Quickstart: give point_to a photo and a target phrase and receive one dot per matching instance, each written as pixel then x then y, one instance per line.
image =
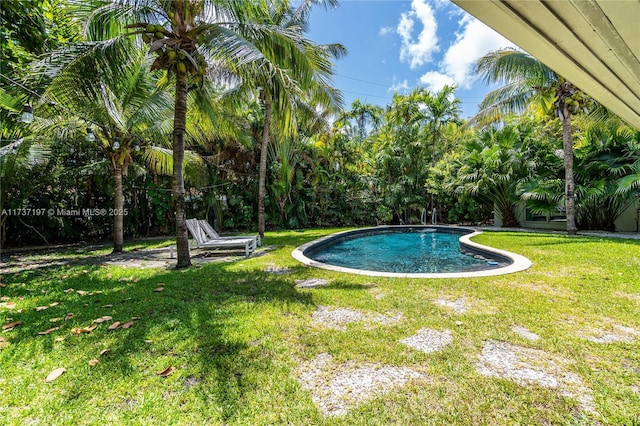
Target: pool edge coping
pixel 520 263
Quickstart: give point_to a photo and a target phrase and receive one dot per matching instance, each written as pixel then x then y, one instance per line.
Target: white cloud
pixel 420 51
pixel 435 81
pixel 386 30
pixel 473 41
pixel 401 86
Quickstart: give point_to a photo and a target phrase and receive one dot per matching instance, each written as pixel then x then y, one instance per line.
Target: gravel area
pixel 459 306
pixel 532 366
pixel 525 333
pixel 337 388
pixel 139 259
pixel 311 283
pixel 428 340
pixel 277 270
pixel 339 317
pixel 617 333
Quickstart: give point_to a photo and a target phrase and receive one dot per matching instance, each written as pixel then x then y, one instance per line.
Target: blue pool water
pixel 412 251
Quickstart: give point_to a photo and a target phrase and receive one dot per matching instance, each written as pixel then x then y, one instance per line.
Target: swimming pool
pixel 409 251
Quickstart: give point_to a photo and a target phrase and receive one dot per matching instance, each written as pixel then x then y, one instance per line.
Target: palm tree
pixel 193 39
pixel 528 82
pixel 441 109
pixel 292 71
pixel 118 110
pixel 492 167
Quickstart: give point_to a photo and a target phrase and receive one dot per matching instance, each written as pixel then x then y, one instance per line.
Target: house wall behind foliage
pixel 627 222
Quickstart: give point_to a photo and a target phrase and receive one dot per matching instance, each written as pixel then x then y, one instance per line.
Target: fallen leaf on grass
pixel 135 318
pixel 11 325
pixel 8 305
pixel 55 319
pixel 59 339
pixel 49 330
pixel 93 362
pixel 127 325
pixel 55 374
pixel 51 305
pixel 69 316
pixel 5 298
pixel 88 329
pixel 41 308
pixel 69 290
pixel 104 351
pixel 158 289
pixel 167 371
pixel 107 306
pixel 3 343
pixel 103 319
pixel 114 325
pixel 82 292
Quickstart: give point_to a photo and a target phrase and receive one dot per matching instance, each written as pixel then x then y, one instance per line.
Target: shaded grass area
pixel 236 336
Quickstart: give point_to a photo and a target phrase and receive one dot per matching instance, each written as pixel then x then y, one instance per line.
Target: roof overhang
pixel 595 44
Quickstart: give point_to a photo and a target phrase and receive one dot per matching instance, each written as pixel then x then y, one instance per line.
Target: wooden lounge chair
pixel 202 240
pixel 212 234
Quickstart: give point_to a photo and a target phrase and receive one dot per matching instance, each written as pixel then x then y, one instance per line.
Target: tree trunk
pixel 567 142
pixel 118 218
pixel 118 228
pixel 179 124
pixel 509 217
pixel 262 180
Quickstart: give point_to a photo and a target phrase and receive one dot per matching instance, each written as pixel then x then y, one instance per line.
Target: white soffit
pixel 595 44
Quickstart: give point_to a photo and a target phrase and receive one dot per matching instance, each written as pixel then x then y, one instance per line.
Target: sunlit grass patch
pixel 233 342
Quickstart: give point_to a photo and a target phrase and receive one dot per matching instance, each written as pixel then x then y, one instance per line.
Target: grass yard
pixel 238 343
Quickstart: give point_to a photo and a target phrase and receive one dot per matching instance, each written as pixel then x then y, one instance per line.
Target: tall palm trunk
pixel 567 142
pixel 179 124
pixel 262 180
pixel 118 218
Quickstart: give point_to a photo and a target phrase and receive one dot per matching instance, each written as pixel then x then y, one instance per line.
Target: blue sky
pixel 399 45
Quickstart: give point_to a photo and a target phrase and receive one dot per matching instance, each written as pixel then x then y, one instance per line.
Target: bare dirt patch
pixel 533 366
pixel 338 318
pixel 428 340
pixel 337 388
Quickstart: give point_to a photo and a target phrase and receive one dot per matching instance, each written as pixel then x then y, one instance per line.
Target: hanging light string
pixel 49 103
pixel 52 104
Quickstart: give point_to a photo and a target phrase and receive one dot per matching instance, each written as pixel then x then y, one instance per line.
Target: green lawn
pixel 240 339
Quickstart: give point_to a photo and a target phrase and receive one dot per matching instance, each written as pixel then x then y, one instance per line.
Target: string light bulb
pixel 91 137
pixel 27 113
